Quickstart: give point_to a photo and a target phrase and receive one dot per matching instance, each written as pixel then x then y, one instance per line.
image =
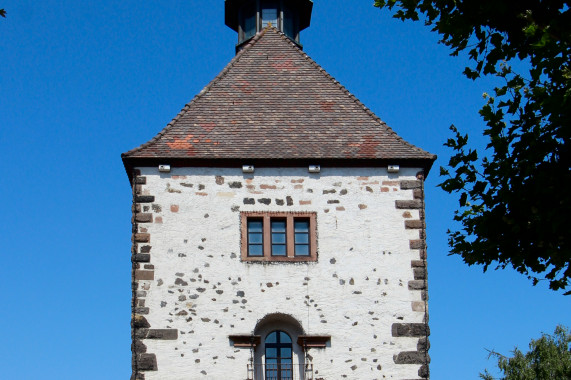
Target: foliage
pixel 549 358
pixel 513 197
pixel 2 13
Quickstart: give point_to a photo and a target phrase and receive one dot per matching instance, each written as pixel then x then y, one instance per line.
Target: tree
pixel 2 13
pixel 549 358
pixel 513 196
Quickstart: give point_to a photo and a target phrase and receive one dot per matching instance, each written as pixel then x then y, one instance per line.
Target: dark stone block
pixel 289 200
pixel 138 321
pixel 419 273
pixel 280 202
pixel 417 264
pixel 142 310
pixel 142 238
pixel 410 357
pixel 180 281
pixel 137 376
pixel 138 347
pixel 144 198
pixel 249 201
pixel 411 204
pixel 417 244
pixel 141 333
pixel 410 330
pixel 163 334
pixel 408 184
pixel 424 371
pixel 423 344
pixel 413 224
pixel 146 249
pixel 147 362
pixel 416 285
pixel 142 258
pixel 147 275
pixel 235 185
pixel 144 218
pixel 265 201
pixel 141 180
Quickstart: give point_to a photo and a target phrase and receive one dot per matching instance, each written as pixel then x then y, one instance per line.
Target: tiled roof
pixel 273 102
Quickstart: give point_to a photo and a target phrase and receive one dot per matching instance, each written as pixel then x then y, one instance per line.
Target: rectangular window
pixel 270 14
pixel 250 23
pixel 278 237
pixel 301 237
pixel 288 23
pixel 275 236
pixel 255 237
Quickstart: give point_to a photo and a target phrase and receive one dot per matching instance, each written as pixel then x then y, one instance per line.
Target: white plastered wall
pixel 354 292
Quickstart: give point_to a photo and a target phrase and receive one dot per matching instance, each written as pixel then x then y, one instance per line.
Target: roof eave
pixel 131 163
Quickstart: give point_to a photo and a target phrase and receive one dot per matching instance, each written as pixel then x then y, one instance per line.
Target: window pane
pixel 301 250
pixel 255 225
pixel 278 238
pixel 285 353
pixel 271 368
pixel 250 24
pixel 301 226
pixel 255 238
pixel 271 353
pixel 255 250
pixel 271 338
pixel 278 250
pixel 270 14
pixel 286 369
pixel 301 238
pixel 284 338
pixel 288 23
pixel 278 225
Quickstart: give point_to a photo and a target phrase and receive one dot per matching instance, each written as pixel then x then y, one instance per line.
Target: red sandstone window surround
pixel 278 236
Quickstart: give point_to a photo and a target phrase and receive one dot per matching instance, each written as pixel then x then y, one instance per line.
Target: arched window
pixel 279 363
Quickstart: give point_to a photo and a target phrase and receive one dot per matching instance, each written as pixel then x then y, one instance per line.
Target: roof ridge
pixel 196 97
pixel 347 92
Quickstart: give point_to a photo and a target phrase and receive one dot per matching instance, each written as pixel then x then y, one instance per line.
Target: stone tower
pixel 278 225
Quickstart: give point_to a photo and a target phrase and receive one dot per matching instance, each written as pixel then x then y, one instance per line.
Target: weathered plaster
pixel 188 234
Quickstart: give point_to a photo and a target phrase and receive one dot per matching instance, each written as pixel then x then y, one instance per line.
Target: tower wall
pixel 192 290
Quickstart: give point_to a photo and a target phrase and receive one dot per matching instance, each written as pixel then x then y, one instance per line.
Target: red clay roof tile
pixel 273 102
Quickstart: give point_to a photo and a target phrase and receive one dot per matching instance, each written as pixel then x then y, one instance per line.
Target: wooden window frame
pixel 290 236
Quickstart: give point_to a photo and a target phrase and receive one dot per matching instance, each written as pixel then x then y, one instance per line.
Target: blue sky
pixel 82 82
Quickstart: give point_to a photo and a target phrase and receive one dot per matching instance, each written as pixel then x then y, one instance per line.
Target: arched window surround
pixel 290 326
